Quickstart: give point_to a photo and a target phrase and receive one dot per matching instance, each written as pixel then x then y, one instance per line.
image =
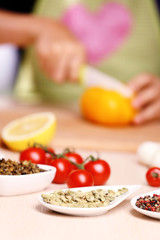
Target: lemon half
pixel 23 132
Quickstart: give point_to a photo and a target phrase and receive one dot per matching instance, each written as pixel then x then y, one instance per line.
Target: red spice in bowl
pixel 150 203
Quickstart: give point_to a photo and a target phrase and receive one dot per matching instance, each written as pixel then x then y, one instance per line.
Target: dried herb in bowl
pixel 9 167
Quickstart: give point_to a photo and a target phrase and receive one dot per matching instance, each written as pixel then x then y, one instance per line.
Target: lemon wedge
pixel 23 132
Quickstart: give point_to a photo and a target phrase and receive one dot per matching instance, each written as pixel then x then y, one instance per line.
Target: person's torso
pixel 121 37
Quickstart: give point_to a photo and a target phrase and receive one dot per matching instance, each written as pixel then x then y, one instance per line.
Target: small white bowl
pixel 146 212
pixel 11 185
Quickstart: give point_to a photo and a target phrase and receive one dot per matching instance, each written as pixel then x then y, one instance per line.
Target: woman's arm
pixel 59 53
pixel 19 29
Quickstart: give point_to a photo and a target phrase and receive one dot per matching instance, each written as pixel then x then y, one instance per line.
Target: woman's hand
pixel 147 100
pixel 59 53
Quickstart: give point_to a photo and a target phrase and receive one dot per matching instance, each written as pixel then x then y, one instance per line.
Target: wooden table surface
pixel 22 217
pixel 74 131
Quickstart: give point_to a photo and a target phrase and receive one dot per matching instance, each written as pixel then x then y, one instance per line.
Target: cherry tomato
pixel 99 169
pixel 74 157
pixel 80 178
pixel 49 156
pixel 34 154
pixel 153 176
pixel 63 167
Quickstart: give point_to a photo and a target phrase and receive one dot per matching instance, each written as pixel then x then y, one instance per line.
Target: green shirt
pixel 121 38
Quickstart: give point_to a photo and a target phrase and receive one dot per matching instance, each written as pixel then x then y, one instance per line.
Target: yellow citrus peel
pixel 106 107
pixel 20 133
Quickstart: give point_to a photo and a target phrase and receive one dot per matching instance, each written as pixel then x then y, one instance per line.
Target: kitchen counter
pixel 22 217
pixel 73 130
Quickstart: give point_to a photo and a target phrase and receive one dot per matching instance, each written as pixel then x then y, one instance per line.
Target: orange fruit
pixel 106 107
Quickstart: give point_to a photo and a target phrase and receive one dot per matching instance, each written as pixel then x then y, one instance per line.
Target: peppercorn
pixel 149 203
pixel 9 167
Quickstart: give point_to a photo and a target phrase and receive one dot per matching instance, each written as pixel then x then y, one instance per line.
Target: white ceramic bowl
pixel 146 212
pixel 11 185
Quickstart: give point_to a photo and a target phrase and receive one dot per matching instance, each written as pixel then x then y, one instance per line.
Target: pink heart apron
pixel 121 38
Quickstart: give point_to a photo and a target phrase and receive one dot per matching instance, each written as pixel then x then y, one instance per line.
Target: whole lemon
pixel 106 107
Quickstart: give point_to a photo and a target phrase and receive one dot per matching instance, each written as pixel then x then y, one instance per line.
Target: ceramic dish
pixel 146 212
pixel 92 211
pixel 11 185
